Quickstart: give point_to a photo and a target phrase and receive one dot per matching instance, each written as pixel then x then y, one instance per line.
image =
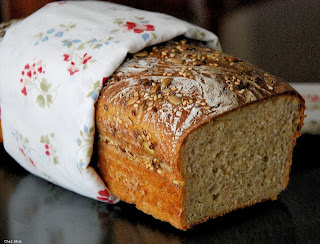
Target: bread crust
pixel 156 99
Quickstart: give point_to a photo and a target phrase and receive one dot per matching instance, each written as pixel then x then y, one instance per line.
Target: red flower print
pixel 130 25
pixel 72 69
pixel 29 74
pixel 138 28
pixel 21 150
pixel 24 91
pixel 149 27
pixel 47 153
pixel 104 79
pixel 104 196
pixel 31 161
pixel 67 57
pixel 86 58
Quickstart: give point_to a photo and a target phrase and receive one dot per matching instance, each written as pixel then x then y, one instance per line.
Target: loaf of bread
pixel 187 133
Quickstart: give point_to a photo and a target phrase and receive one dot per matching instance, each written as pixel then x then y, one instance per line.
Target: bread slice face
pixel 187 133
pixel 239 159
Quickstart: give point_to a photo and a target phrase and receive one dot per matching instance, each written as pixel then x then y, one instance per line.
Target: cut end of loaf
pixel 239 159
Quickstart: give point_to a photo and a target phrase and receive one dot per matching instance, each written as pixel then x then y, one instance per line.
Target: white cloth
pixel 52 67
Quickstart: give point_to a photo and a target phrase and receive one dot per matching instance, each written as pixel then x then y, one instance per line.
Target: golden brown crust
pixel 155 100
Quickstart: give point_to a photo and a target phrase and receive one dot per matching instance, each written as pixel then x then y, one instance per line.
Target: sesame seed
pixel 207 108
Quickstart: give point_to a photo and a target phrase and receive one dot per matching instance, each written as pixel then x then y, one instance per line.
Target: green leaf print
pixel 40 101
pixel 96 85
pixel 55 160
pixel 115 30
pixel 49 100
pixel 44 139
pixel 44 85
pixel 81 46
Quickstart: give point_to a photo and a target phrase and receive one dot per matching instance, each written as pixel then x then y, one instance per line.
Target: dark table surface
pixel 35 211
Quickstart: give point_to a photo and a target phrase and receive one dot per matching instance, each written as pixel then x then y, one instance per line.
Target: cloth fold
pixel 52 68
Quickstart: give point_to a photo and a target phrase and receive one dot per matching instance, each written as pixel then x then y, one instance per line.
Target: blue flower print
pixel 59 34
pixel 46 38
pixel 94 96
pixel 66 43
pixel 50 31
pixel 86 130
pixel 145 36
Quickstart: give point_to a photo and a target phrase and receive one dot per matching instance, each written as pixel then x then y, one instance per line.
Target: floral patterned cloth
pixel 311 94
pixel 53 65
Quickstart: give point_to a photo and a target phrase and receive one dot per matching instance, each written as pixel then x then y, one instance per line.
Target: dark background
pixel 279 36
